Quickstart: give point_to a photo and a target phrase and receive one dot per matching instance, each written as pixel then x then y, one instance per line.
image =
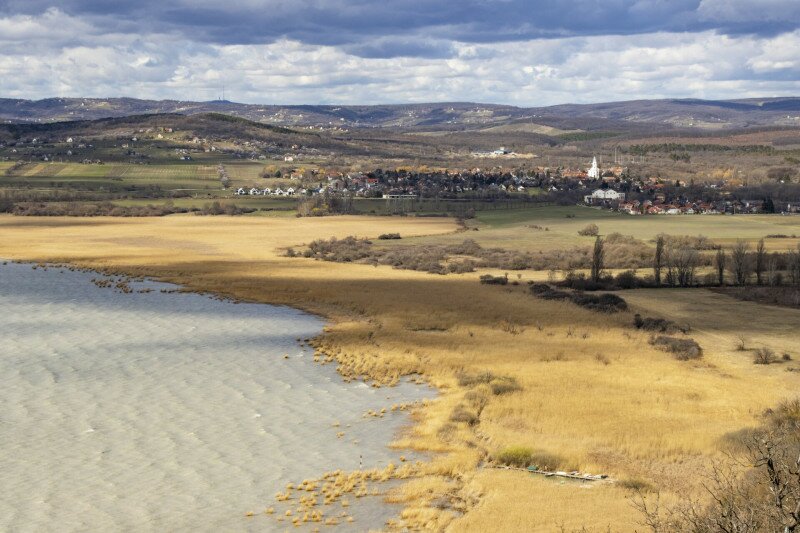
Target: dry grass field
pixel 594 394
pixel 549 228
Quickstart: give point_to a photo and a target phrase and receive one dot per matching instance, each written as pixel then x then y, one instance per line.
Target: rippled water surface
pixel 167 412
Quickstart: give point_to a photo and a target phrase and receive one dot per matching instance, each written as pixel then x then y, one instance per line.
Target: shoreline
pixel 387 477
pixel 593 394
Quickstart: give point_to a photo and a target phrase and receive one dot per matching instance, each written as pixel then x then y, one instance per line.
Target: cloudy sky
pixel 521 52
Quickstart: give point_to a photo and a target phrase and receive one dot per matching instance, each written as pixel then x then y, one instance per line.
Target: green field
pixel 549 228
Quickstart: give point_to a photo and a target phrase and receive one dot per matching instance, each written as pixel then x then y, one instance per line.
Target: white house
pixel 254 192
pixel 604 195
pixel 241 192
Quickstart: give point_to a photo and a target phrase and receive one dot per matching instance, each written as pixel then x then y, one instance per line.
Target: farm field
pixel 594 395
pixel 170 177
pixel 524 229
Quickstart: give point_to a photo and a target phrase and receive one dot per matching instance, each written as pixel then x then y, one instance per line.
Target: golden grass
pixel 593 391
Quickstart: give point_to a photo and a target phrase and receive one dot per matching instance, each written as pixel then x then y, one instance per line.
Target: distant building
pixel 594 172
pixel 601 196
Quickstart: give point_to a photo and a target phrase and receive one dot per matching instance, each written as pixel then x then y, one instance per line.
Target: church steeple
pixel 594 172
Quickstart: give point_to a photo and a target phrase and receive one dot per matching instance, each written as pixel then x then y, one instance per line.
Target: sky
pixel 518 52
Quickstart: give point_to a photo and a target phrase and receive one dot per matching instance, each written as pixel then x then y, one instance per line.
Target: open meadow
pixel 536 229
pixel 582 390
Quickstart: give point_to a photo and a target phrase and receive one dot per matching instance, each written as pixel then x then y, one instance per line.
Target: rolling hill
pixel 655 114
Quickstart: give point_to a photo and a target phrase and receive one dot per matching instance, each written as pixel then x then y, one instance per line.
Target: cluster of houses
pixel 253 191
pixel 654 196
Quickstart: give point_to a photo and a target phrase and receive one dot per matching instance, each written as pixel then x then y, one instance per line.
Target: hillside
pixel 657 114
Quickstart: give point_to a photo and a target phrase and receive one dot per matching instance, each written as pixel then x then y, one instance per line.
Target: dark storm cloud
pixel 418 28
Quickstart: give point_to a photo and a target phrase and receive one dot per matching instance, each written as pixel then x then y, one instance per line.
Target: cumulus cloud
pixel 525 52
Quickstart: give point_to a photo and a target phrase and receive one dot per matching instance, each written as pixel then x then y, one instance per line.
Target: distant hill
pixel 657 114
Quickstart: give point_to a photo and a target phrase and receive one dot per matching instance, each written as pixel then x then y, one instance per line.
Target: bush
pixel 658 325
pixel 546 292
pixel 636 485
pixel 519 456
pixel 463 415
pixel 681 349
pixel 591 230
pixel 504 385
pixel 389 236
pixel 626 280
pixel 488 279
pixel 546 461
pixel 764 356
pixel 606 303
pixel 470 380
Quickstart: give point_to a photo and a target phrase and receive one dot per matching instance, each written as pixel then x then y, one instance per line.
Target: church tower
pixel 594 172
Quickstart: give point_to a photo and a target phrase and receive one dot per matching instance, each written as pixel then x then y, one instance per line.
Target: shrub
pixel 515 456
pixel 389 236
pixel 590 230
pixel 470 380
pixel 461 267
pixel 626 280
pixel 462 414
pixel 607 303
pixel 504 385
pixel 488 279
pixel 546 292
pixel 658 325
pixel 636 485
pixel 764 356
pixel 546 461
pixel 681 349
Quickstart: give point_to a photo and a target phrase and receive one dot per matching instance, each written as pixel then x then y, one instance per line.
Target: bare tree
pixel 755 490
pixel 658 259
pixel 598 259
pixel 793 266
pixel 719 263
pixel 761 261
pixel 682 263
pixel 740 263
pixel 773 276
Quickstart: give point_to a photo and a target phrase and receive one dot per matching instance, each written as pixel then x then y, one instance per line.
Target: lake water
pixel 169 412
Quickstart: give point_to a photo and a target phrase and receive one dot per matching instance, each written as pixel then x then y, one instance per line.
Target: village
pixel 613 188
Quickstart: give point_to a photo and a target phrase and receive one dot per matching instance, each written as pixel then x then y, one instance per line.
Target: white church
pixel 601 196
pixel 594 172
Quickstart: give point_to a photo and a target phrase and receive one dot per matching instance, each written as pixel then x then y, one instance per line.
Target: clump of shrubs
pixel 216 208
pixel 590 230
pixel 518 456
pixel 606 303
pixel 499 385
pixel 657 325
pixel 345 250
pixel 681 349
pixel 463 415
pixel 82 209
pixel 636 485
pixel 522 457
pixel 546 292
pixel 389 236
pixel 488 279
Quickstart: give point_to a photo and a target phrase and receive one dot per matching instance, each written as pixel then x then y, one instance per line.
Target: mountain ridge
pixel 682 113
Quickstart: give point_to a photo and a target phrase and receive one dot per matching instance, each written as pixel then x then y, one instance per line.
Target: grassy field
pixel 113 175
pixel 549 228
pixel 595 395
